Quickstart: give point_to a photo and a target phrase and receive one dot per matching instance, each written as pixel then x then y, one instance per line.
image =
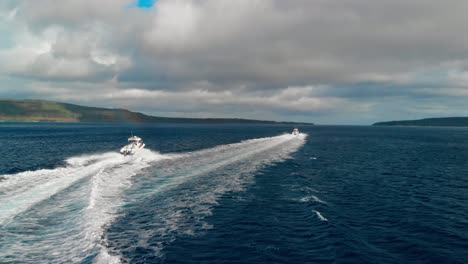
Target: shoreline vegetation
pixel 49 111
pixel 442 121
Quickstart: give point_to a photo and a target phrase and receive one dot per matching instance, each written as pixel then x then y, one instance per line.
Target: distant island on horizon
pixel 440 121
pixel 48 111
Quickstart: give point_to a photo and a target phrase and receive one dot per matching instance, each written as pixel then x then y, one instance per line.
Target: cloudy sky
pixel 323 61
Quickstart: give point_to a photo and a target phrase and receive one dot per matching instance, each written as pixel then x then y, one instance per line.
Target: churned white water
pixel 61 215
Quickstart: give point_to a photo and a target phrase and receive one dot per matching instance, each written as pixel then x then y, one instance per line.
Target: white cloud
pixel 291 58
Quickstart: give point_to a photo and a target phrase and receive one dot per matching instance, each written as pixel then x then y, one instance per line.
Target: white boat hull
pixel 131 149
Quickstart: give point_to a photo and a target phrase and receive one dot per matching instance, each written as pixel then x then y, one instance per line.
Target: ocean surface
pixel 233 194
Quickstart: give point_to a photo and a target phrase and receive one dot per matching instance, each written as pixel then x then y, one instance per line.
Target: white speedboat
pixel 134 144
pixel 295 132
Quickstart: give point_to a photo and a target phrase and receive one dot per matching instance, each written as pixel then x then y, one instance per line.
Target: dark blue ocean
pixel 233 194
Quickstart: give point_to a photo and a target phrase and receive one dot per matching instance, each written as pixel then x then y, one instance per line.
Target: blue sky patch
pixel 145 3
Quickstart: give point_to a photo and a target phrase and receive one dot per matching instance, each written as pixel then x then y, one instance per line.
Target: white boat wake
pixel 81 197
pixel 21 191
pixel 60 215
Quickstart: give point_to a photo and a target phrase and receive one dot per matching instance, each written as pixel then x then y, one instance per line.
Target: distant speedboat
pixel 134 144
pixel 295 132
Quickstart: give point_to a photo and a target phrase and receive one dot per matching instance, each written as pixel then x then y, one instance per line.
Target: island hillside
pixel 48 111
pixel 443 121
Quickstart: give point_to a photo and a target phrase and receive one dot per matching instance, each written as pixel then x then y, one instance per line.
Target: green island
pixel 442 121
pixel 48 111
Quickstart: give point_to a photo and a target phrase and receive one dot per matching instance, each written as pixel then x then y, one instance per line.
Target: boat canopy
pixel 134 139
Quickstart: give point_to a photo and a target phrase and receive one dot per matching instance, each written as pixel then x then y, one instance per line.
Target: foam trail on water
pixel 23 190
pixel 186 189
pixel 78 212
pixel 61 215
pixel 205 161
pixel 106 198
pixel 312 198
pixel 320 216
